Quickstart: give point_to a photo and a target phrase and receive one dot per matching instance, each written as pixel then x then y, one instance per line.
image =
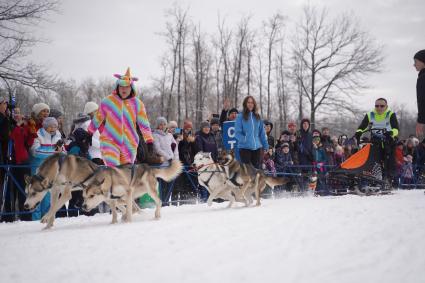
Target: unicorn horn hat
pixel 126 80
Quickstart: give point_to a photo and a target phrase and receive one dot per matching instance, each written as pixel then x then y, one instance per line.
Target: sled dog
pixel 126 183
pixel 61 174
pixel 232 180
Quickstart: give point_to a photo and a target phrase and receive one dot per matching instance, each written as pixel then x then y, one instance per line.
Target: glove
pixel 150 148
pixel 358 136
pixel 59 143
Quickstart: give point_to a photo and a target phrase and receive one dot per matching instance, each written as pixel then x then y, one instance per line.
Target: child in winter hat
pixel 38 107
pixel 49 124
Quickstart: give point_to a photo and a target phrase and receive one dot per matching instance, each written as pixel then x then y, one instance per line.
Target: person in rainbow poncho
pixel 121 113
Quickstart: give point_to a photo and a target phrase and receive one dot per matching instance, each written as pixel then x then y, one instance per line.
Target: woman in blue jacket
pixel 250 133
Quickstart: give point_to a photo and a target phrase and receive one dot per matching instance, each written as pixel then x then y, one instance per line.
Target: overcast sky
pixel 96 38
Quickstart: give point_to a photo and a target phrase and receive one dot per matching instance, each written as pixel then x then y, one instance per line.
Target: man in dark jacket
pixel 227 114
pixel 420 91
pixel 305 143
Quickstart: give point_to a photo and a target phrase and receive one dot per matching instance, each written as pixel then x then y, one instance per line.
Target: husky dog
pixel 126 183
pixel 61 174
pixel 232 178
pixel 213 177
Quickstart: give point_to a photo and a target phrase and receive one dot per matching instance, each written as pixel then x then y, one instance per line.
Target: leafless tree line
pixel 311 69
pixel 316 67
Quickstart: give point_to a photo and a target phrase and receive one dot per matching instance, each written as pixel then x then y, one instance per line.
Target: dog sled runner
pixel 360 174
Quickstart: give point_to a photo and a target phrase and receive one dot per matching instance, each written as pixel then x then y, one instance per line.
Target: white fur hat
pixel 38 107
pixel 90 107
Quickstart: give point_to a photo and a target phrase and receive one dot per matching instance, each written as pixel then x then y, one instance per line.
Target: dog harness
pixel 133 169
pixel 40 178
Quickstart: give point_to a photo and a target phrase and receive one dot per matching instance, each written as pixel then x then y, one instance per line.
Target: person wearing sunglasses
pixel 382 118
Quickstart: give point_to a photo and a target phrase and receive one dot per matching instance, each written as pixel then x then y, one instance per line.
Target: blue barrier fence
pixel 298 174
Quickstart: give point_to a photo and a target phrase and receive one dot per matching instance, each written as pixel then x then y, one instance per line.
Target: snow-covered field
pixel 297 239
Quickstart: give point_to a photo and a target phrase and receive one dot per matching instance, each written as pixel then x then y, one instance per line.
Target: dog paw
pixel 48 227
pixel 45 219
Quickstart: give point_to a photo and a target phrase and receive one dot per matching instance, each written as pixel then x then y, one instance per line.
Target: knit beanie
pixel 90 107
pixel 305 120
pixel 187 125
pixel 215 121
pixel 267 122
pixel 292 124
pixel 55 113
pixel 172 124
pixel 49 121
pixel 233 110
pixel 159 121
pixel 316 133
pixel 38 107
pixel 205 125
pixel 420 55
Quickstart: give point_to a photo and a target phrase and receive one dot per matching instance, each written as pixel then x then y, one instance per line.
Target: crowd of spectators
pixel 298 148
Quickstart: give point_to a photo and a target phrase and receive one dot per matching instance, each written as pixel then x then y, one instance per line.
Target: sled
pixel 360 174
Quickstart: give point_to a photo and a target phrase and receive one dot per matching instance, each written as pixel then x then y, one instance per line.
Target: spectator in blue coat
pixel 250 133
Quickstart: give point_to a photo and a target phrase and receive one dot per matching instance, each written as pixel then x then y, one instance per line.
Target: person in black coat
pixel 205 141
pixel 420 91
pixel 269 128
pixel 227 114
pixel 186 183
pixel 305 143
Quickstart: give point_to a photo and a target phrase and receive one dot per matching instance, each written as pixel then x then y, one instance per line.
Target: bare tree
pixel 17 17
pixel 333 57
pixel 249 46
pixel 241 38
pixel 223 44
pixel 281 85
pixel 273 28
pixel 69 100
pixel 202 64
pixel 259 76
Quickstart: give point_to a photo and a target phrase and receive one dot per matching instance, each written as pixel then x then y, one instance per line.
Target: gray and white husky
pixel 126 183
pixel 232 180
pixel 61 174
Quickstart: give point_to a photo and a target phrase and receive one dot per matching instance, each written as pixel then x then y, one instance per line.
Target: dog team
pixel 119 186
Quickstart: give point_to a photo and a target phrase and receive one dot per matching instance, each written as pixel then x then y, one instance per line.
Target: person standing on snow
pixel 250 133
pixel 420 91
pixel 122 112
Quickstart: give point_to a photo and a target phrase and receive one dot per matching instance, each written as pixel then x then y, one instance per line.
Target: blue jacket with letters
pixel 250 133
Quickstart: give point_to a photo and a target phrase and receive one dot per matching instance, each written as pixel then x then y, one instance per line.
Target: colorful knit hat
pixel 126 80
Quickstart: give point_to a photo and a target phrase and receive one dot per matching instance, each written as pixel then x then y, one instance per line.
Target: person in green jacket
pixel 382 118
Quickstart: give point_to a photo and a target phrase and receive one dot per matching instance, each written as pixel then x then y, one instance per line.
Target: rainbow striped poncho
pixel 121 117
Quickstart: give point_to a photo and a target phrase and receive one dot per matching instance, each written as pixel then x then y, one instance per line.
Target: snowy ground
pixel 298 239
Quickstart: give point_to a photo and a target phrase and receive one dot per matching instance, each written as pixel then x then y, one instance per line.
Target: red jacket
pixel 22 141
pixel 398 157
